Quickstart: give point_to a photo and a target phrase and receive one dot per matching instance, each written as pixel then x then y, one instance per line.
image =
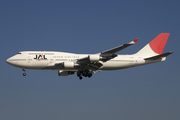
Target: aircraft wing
pixel 119 48
pixel 94 62
pixel 87 63
pixel 83 63
pixel 110 54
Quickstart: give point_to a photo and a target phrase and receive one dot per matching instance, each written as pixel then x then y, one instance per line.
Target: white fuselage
pixel 86 64
pixel 48 60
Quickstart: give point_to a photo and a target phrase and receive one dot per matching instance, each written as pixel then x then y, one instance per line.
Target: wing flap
pixel 83 60
pixel 59 64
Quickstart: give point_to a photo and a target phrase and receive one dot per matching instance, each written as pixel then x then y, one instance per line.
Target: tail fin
pixel 155 47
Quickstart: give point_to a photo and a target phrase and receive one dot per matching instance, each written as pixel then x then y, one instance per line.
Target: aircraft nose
pixel 7 61
pixel 10 62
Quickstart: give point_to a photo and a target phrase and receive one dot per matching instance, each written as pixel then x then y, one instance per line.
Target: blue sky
pixel 141 93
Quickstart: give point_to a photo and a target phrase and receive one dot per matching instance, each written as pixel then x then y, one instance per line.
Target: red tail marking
pixel 158 43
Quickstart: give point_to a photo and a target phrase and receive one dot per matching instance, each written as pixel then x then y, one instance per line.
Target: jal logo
pixel 40 57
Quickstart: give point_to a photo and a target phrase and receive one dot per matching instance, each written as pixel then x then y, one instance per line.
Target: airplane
pixel 84 65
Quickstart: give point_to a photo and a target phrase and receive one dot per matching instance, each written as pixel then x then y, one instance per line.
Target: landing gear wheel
pixel 89 75
pixel 80 78
pixel 24 74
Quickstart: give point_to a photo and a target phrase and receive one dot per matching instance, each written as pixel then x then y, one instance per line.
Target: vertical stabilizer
pixel 155 47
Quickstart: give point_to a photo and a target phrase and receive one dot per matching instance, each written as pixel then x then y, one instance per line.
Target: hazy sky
pixel 150 92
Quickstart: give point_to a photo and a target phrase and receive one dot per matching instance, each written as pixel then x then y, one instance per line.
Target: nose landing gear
pixel 24 74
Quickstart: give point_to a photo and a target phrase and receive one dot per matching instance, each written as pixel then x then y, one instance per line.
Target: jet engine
pixel 94 58
pixel 65 73
pixel 68 65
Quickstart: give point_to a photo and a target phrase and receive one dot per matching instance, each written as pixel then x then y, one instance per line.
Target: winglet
pixel 135 41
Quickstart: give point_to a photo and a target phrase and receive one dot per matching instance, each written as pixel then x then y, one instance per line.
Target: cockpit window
pixel 18 53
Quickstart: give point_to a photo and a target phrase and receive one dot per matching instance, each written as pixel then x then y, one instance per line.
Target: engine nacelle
pixel 68 65
pixel 65 73
pixel 94 58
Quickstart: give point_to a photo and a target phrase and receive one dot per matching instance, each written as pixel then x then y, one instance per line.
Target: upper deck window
pixel 18 53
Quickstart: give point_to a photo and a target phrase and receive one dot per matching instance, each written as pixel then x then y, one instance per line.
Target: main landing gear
pixel 85 73
pixel 24 74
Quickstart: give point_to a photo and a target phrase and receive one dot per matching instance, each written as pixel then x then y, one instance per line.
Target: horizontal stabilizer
pixel 158 56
